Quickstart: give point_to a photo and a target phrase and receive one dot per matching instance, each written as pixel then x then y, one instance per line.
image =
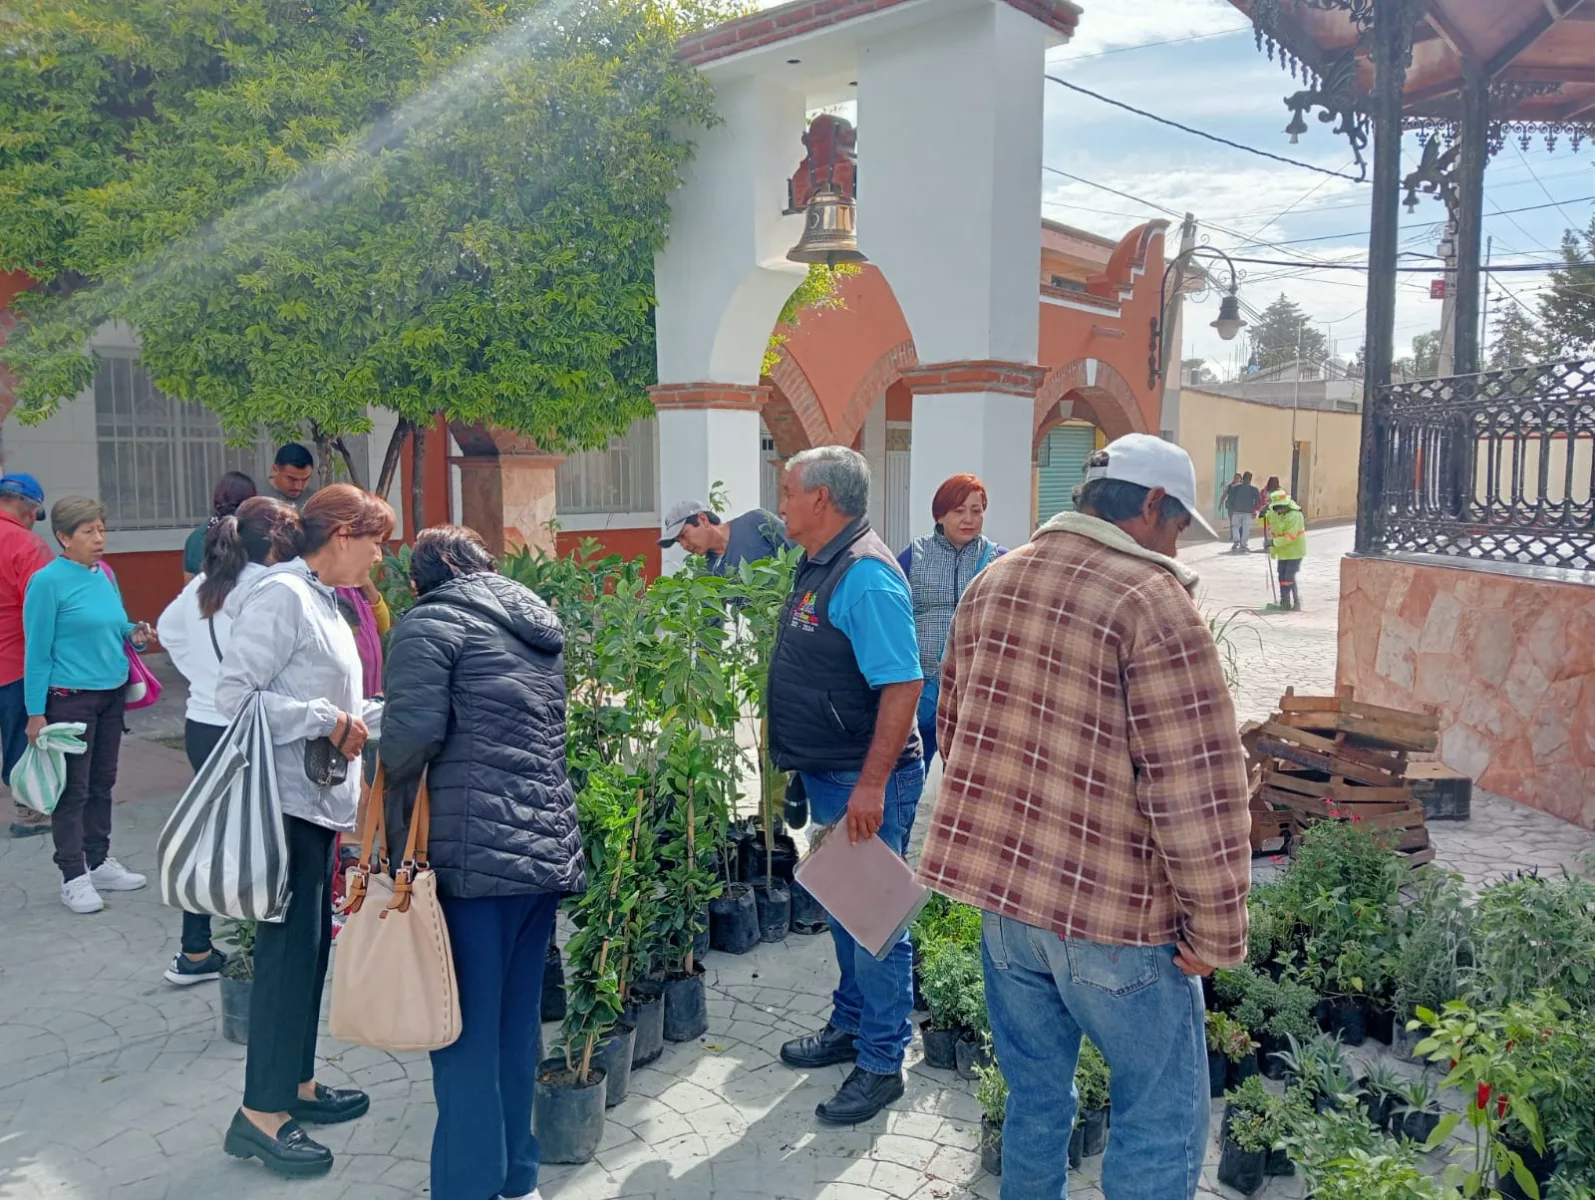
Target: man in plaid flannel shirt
pixel 1094 805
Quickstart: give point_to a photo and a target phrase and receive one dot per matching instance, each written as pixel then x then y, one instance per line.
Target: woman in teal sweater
pixel 75 669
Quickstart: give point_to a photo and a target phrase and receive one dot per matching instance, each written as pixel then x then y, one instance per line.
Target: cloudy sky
pixel 1194 61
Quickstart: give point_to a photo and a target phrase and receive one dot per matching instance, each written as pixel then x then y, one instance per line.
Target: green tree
pixel 431 206
pixel 1197 370
pixel 1567 307
pixel 1424 361
pixel 1282 333
pixel 1515 341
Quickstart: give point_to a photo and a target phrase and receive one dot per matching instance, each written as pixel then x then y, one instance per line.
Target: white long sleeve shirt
pixel 300 656
pixel 186 636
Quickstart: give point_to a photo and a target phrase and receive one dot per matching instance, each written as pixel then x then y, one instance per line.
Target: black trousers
pixel 198 741
pixel 290 969
pixel 81 822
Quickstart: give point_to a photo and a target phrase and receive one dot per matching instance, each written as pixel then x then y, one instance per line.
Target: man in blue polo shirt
pixel 843 694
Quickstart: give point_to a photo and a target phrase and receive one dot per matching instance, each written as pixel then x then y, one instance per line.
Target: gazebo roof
pixel 1539 54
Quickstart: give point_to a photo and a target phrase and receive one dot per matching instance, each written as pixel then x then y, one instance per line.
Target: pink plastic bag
pixel 143 689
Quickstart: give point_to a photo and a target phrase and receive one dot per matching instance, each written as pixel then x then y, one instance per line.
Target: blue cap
pixel 25 486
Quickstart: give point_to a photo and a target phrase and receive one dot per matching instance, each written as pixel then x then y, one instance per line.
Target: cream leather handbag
pixel 393 984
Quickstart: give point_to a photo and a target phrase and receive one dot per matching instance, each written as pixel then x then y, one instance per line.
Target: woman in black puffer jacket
pixel 476 699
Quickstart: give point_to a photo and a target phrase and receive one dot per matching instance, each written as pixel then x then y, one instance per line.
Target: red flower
pixel 1484 1096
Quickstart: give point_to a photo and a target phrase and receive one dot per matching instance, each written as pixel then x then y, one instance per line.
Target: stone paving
pixel 117 1086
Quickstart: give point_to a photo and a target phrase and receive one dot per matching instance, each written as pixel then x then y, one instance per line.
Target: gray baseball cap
pixel 678 516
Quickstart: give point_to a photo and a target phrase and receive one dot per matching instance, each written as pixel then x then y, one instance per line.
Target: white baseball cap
pixel 1151 462
pixel 678 516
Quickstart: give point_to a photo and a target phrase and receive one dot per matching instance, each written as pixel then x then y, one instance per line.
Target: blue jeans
pixel 13 728
pixel 874 996
pixel 483 1146
pixel 1146 1017
pixel 928 697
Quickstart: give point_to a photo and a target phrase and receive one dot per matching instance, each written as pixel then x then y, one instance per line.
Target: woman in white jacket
pixel 195 630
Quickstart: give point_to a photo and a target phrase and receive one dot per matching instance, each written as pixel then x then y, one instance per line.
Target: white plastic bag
pixel 39 777
pixel 224 850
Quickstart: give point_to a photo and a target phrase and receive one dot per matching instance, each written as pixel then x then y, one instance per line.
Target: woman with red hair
pixel 939 567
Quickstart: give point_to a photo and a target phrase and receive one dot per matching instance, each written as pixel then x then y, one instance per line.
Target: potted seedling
pixel 1419 1110
pixel 1289 1013
pixel 1230 1052
pixel 1248 1136
pixel 949 973
pixel 993 1097
pixel 238 978
pixel 569 1100
pixel 1381 1093
pixel 1286 1114
pixel 1093 1082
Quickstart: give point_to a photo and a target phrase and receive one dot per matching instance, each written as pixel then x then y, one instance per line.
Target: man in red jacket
pixel 22 552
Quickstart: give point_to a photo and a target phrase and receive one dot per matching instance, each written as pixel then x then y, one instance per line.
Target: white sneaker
pixel 534 1194
pixel 112 876
pixel 79 895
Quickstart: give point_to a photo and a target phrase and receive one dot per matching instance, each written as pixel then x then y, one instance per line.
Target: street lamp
pixel 1229 321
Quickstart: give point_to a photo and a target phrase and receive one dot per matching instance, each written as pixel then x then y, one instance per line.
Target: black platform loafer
pixel 829 1045
pixel 291 1153
pixel 861 1097
pixel 332 1106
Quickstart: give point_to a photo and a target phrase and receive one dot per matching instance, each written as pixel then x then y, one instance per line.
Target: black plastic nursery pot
pixel 970 1052
pixel 1348 1020
pixel 700 940
pixel 734 920
pixel 1241 1169
pixel 1268 1048
pixel 235 1009
pixel 686 1009
pixel 1405 1043
pixel 1381 1024
pixel 941 1046
pixel 1076 1147
pixel 809 916
pixel 614 1055
pixel 1419 1125
pixel 567 1115
pixel 990 1146
pixel 738 837
pixel 1278 1163
pixel 647 1013
pixel 774 903
pixel 1093 1132
pixel 553 985
pixel 1240 1072
pixel 780 865
pixel 1540 1166
pixel 1217 1074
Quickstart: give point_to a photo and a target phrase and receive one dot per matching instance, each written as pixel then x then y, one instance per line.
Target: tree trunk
pixel 390 458
pixel 417 480
pixel 355 476
pixel 323 443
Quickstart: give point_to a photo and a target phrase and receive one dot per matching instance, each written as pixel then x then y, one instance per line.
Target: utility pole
pixel 1448 332
pixel 1484 305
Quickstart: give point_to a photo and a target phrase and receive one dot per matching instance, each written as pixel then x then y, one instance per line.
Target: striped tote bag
pixel 224 851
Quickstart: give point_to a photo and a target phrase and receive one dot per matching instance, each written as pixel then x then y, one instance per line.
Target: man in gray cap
pixel 725 546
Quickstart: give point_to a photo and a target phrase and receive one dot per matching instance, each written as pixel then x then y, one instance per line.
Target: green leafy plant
pixel 951 978
pixel 239 938
pixel 1227 1036
pixel 992 1093
pixel 1269 929
pixel 1432 946
pixel 1532 933
pixel 1092 1078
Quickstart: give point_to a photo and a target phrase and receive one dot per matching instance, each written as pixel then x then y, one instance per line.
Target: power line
pixel 1212 137
pixel 1543 188
pixel 1347 266
pixel 1193 37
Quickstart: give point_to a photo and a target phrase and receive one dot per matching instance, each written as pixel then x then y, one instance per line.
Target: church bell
pixel 829 233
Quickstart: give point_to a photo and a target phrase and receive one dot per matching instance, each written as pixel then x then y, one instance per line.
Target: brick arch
pixel 1100 395
pixel 793 413
pixel 883 372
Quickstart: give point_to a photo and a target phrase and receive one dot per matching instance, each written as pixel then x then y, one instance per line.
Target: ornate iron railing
pixel 1496 467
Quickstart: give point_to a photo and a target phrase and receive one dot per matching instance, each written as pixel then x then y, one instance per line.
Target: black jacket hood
pixel 508 604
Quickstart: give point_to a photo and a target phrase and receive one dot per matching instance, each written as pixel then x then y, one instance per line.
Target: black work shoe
pixel 332 1106
pixel 795 812
pixel 186 971
pixel 291 1152
pixel 829 1045
pixel 861 1097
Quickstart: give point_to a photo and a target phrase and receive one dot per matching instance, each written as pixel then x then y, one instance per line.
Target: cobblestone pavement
pixel 117 1086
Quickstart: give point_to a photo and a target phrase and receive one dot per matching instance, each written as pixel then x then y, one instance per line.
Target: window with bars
pixel 621 478
pixel 159 458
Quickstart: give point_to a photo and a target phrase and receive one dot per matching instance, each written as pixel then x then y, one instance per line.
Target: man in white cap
pixel 1094 806
pixel 725 546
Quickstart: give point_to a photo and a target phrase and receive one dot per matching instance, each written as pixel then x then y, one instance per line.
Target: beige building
pixel 1311 446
